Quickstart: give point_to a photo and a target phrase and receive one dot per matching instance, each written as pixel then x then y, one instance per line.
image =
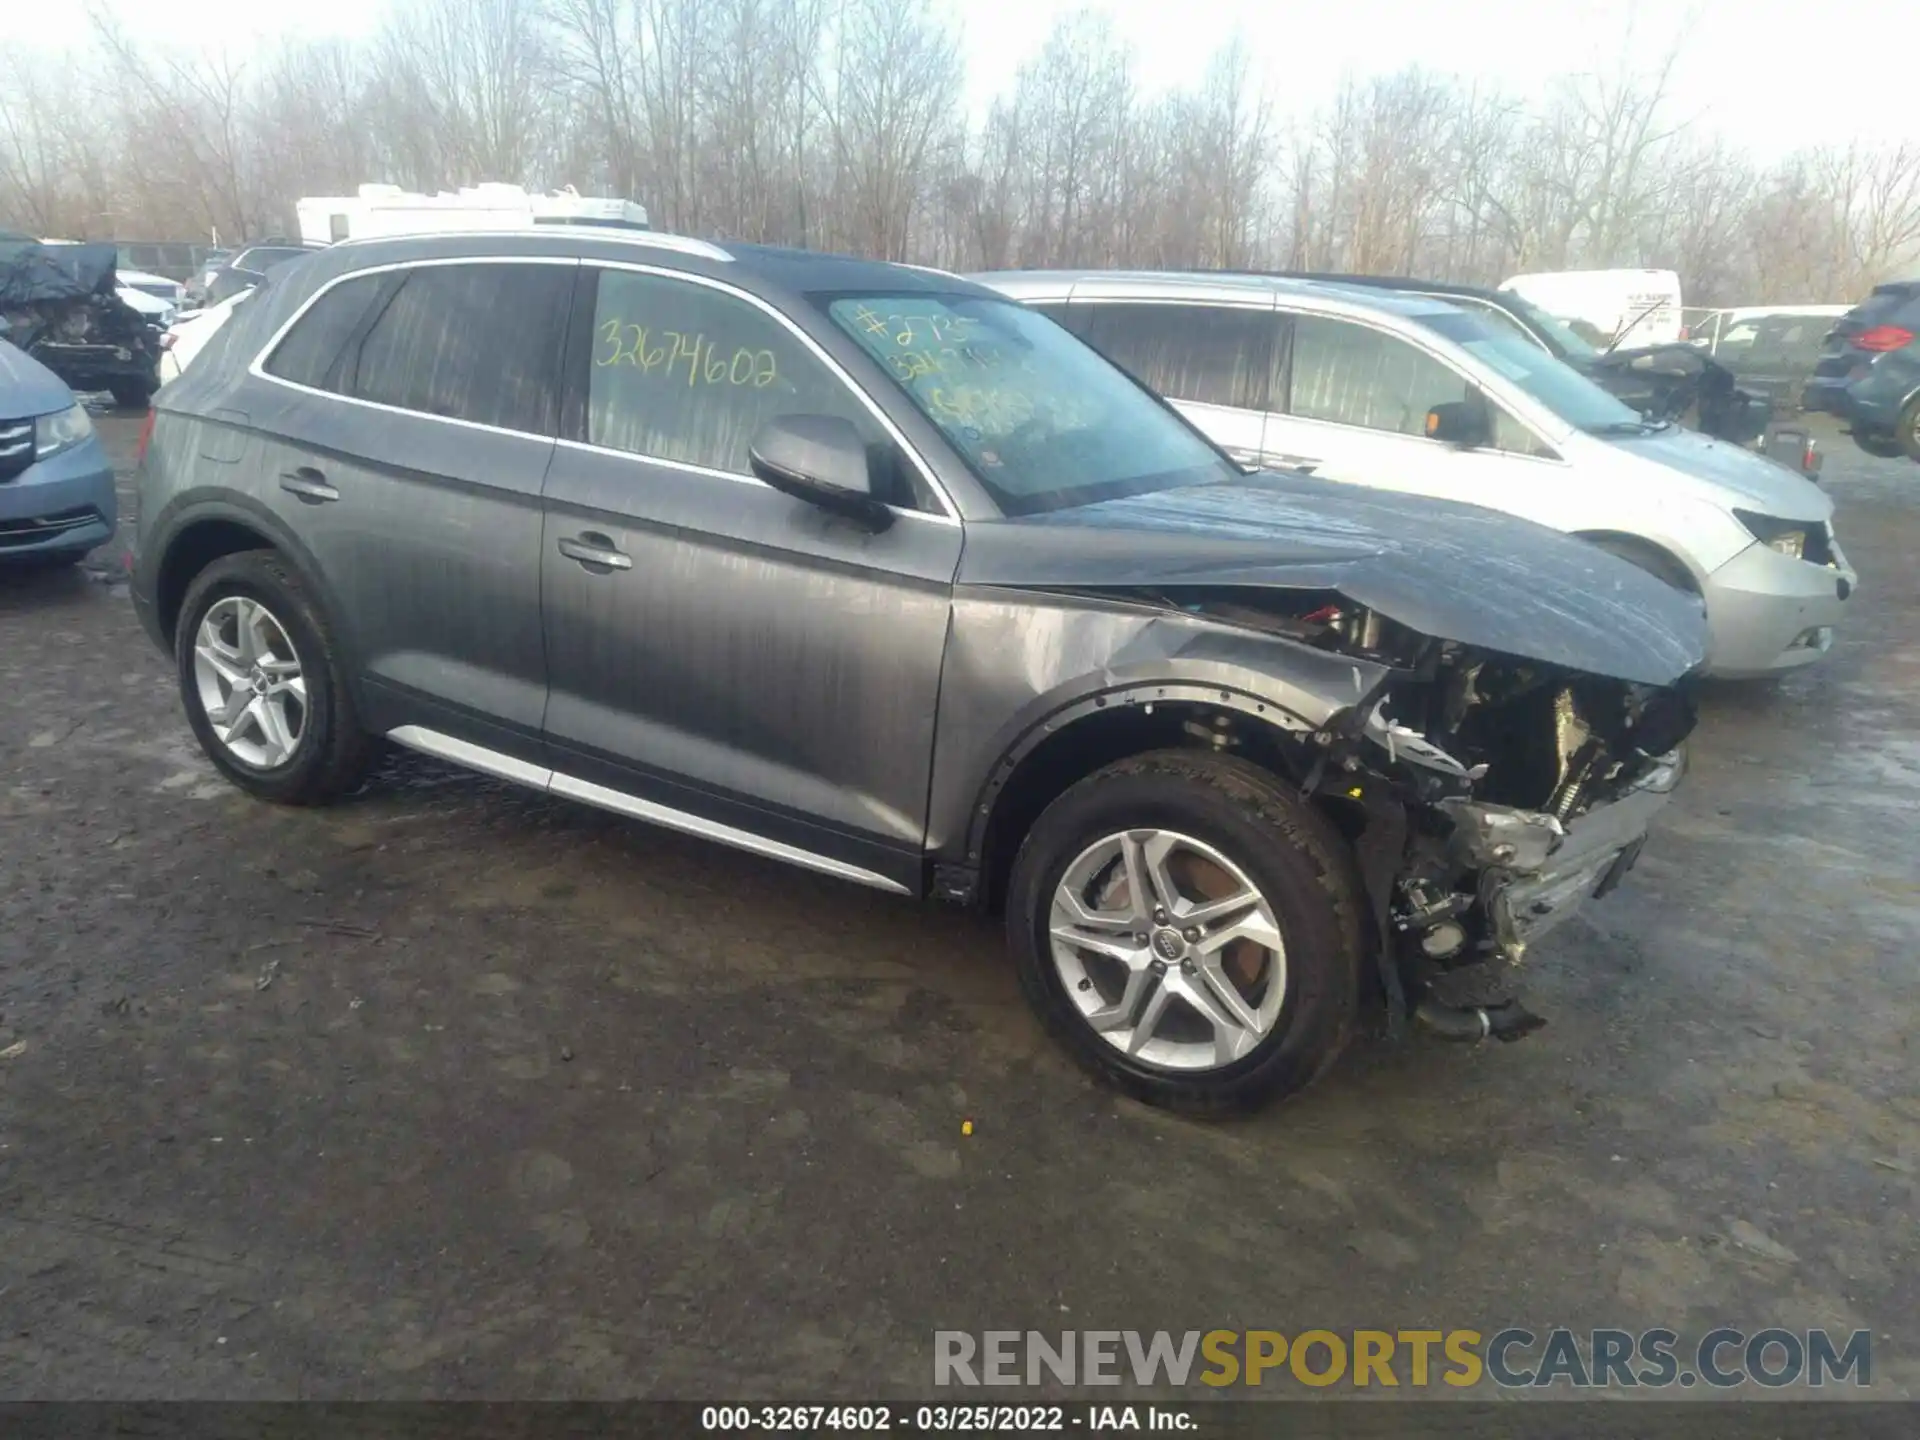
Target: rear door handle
pixel 309 484
pixel 595 551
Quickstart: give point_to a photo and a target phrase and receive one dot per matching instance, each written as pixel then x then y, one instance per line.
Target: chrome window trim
pixel 258 369
pixel 833 366
pixel 554 782
pixel 734 476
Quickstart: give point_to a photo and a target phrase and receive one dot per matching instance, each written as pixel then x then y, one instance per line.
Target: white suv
pixel 1405 392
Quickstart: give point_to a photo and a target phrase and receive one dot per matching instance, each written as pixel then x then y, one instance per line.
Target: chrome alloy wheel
pixel 250 684
pixel 1169 952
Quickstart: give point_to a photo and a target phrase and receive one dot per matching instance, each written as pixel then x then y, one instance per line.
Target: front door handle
pixel 596 552
pixel 309 484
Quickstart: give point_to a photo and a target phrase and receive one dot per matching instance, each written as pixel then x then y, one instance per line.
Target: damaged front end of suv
pixel 1489 714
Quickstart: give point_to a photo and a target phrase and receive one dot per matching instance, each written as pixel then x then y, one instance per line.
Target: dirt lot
pixel 455 1091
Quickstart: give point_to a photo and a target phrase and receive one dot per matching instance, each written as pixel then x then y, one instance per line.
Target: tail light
pixel 1882 338
pixel 146 435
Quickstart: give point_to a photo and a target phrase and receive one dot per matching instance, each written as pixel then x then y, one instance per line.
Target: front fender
pixel 1022 665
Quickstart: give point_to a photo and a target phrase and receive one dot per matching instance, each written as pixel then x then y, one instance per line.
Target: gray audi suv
pixel 869 569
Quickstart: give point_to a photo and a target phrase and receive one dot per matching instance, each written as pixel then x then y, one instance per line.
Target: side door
pixel 409 454
pixel 1213 361
pixel 1355 405
pixel 726 658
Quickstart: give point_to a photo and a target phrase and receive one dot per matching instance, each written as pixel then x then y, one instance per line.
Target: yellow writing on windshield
pixel 621 342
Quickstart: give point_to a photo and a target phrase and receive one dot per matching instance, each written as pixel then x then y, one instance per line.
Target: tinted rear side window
pixel 470 342
pixel 1213 354
pixel 310 348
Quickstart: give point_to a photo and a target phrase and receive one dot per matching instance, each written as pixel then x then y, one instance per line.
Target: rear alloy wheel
pixel 261 677
pixel 1909 431
pixel 1884 447
pixel 1190 929
pixel 251 688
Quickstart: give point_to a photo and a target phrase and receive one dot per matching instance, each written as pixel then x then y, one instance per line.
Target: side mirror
pixel 820 459
pixel 1460 422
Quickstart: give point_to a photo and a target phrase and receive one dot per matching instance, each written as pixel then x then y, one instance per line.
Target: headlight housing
pixel 1789 537
pixel 59 431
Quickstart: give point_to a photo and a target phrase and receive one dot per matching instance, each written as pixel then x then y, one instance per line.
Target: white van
pixel 1609 309
pixel 1407 392
pixel 377 210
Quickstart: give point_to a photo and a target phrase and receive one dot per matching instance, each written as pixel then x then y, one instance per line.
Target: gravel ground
pixel 454 1091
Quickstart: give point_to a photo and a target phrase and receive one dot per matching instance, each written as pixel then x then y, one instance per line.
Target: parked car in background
pixel 63 306
pixel 1404 392
pixel 1869 371
pixel 250 266
pixel 189 335
pixel 170 293
pixel 210 266
pixel 1770 350
pixel 1670 381
pixel 866 569
pixel 1608 308
pixel 56 484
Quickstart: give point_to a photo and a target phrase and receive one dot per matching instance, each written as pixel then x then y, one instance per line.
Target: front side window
pixel 1041 419
pixel 687 373
pixel 469 342
pixel 1212 354
pixel 1562 389
pixel 1351 375
pixel 306 355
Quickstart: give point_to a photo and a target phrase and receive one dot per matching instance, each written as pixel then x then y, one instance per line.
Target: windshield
pixel 1558 386
pixel 1040 418
pixel 1572 347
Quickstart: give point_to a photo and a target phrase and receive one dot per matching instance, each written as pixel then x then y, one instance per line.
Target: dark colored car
pixel 1668 382
pixel 249 267
pixel 868 569
pixel 1869 371
pixel 61 306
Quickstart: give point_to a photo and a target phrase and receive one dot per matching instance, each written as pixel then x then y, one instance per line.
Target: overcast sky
pixel 1772 75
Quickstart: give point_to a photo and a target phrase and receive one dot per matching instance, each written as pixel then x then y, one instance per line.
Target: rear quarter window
pixel 307 353
pixel 475 342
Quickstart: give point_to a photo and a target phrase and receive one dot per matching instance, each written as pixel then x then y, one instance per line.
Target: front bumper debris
pixel 1532 879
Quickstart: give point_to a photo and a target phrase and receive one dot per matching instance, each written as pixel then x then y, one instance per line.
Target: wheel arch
pixel 196 532
pixel 1072 742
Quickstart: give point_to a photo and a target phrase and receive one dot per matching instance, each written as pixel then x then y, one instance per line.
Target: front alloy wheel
pixel 1169 952
pixel 1189 928
pixel 250 682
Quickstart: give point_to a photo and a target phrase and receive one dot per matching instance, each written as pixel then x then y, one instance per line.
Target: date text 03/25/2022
pixel 945 1419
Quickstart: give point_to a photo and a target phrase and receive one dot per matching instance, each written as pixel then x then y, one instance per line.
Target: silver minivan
pixel 1409 393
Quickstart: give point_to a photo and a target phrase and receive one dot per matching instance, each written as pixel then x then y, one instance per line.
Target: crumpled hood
pixel 1455 572
pixel 1749 480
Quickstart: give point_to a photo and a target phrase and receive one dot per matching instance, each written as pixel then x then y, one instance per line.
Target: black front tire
pixel 1883 447
pixel 333 753
pixel 1297 861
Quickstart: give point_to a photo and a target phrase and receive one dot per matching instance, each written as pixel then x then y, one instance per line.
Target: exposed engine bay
pixel 1487 796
